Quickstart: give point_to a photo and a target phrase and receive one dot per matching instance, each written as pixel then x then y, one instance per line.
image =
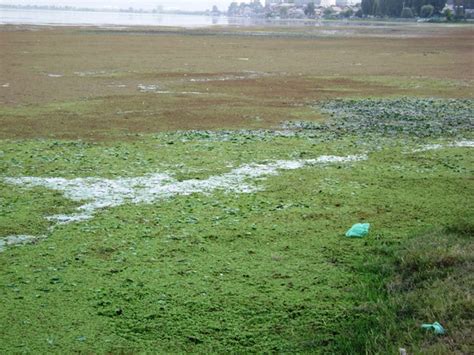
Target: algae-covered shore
pixel 171 190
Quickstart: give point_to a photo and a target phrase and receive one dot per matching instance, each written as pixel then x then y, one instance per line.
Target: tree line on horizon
pixel 396 8
pixel 410 8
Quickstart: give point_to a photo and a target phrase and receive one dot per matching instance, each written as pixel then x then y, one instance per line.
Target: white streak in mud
pixel 436 146
pixel 179 92
pixel 13 240
pixel 55 75
pixel 97 193
pixel 157 90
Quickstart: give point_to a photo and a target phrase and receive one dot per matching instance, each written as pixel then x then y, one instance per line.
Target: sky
pixel 143 4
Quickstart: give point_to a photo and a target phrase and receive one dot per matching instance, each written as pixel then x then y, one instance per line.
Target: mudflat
pixel 95 82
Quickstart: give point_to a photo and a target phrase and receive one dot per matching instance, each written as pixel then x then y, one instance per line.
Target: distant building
pixel 301 3
pixel 327 3
pixel 292 2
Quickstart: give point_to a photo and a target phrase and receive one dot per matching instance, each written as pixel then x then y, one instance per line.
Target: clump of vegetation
pixel 396 8
pixel 406 13
pixel 426 11
pixel 448 14
pixel 391 117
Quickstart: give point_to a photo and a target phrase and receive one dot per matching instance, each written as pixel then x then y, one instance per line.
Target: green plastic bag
pixel 436 327
pixel 358 230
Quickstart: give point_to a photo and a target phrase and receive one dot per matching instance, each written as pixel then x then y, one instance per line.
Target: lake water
pixel 95 18
pixel 53 17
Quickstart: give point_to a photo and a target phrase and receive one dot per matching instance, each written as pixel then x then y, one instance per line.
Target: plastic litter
pixel 436 327
pixel 358 230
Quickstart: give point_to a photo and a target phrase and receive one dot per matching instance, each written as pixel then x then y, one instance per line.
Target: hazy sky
pixel 144 4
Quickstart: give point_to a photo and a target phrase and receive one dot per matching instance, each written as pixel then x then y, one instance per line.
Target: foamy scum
pixel 98 193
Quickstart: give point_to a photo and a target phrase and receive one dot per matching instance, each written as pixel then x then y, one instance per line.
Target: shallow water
pixel 56 17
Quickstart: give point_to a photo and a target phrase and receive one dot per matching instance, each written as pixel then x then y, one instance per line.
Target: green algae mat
pixel 233 241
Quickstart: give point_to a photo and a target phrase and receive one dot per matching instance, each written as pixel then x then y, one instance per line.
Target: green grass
pixel 263 272
pixel 426 279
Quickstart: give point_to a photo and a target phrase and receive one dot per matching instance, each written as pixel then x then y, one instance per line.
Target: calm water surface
pixel 50 17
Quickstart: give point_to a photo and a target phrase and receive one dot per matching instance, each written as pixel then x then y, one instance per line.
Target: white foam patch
pixel 55 75
pixel 148 88
pixel 15 240
pixel 98 193
pixel 427 147
pixel 466 144
pixel 244 76
pixel 63 218
pixel 117 86
pixel 90 73
pixel 458 144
